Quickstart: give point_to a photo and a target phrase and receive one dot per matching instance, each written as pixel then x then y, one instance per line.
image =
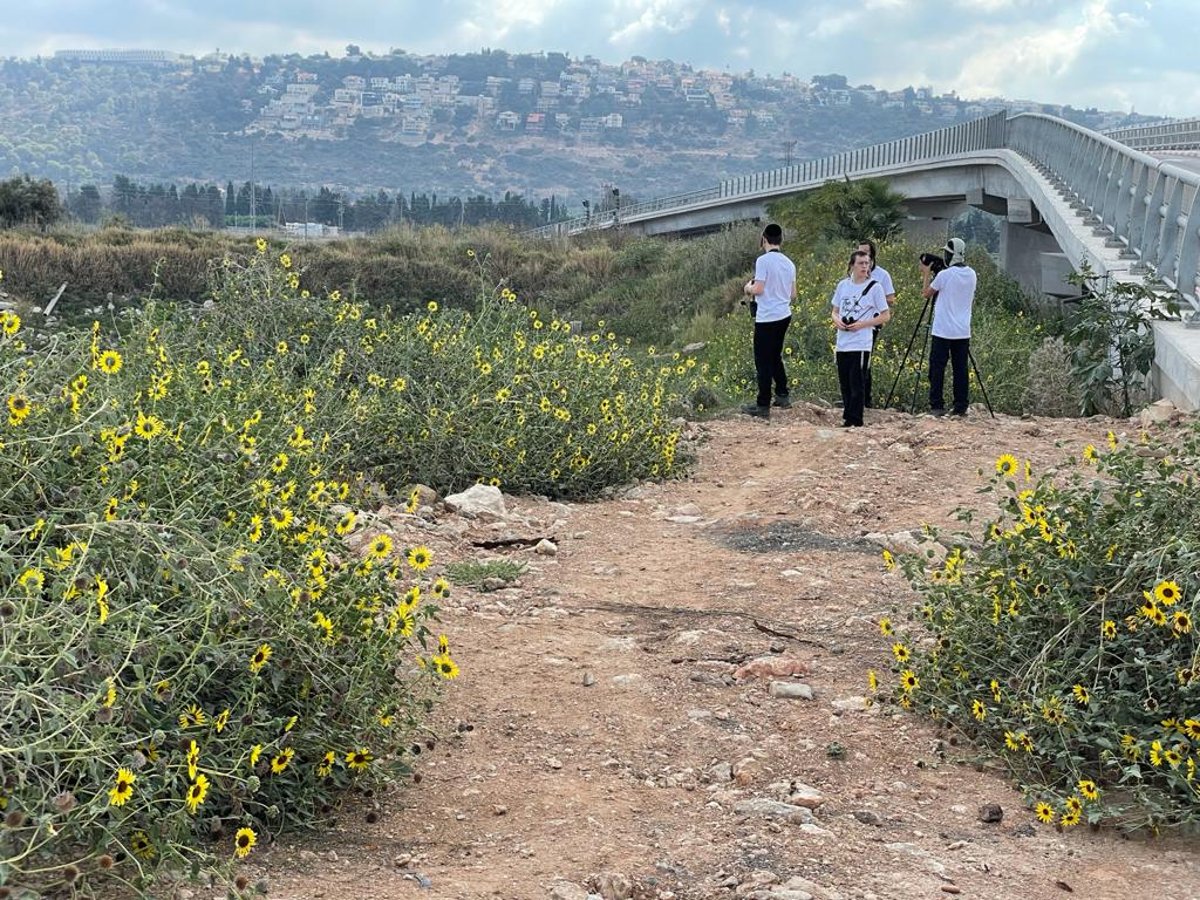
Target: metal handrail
pixel 1181 134
pixel 1147 207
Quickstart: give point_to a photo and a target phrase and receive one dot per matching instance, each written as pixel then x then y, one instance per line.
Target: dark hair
pixel 870 249
pixel 773 234
pixel 853 256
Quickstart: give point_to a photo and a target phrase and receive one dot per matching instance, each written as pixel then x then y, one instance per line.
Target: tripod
pixel 926 320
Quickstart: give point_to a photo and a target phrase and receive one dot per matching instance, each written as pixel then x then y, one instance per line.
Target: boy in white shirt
pixel 880 274
pixel 858 306
pixel 773 288
pixel 953 293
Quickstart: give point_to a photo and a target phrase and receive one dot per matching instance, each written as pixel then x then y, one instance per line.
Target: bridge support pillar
pixel 1033 257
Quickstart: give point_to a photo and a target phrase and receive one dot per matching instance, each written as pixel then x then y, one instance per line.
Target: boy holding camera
pixel 952 291
pixel 858 306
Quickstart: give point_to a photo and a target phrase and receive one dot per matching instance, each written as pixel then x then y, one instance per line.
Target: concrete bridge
pixel 1126 205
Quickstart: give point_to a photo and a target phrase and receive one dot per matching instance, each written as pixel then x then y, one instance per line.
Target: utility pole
pixel 788 147
pixel 253 192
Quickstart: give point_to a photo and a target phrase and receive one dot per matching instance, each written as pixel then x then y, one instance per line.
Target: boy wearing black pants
pixel 773 288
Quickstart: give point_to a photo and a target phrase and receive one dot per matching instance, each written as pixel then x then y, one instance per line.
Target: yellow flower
pixel 909 681
pixel 902 653
pixel 445 666
pixel 109 362
pixel 978 710
pixel 1044 812
pixel 346 523
pixel 142 846
pixel 1089 454
pixel 359 759
pixel 243 842
pixel 380 548
pixel 148 427
pixel 1166 592
pixel 1006 465
pixel 325 766
pixel 192 716
pixel 285 260
pixel 281 760
pixel 432 306
pixel 261 245
pixel 10 323
pixel 122 789
pixel 18 408
pixel 255 753
pixel 1082 695
pixel 261 656
pixel 872 680
pixel 193 759
pixel 196 793
pixel 221 721
pixel 1108 629
pixel 1088 790
pixel 420 558
pixel 32 580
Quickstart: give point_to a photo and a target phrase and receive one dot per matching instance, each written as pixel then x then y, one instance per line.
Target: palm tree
pixel 841 211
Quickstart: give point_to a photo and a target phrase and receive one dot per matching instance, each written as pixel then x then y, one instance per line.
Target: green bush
pixel 1062 634
pixel 190 651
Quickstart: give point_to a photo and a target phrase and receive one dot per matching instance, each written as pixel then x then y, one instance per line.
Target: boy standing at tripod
pixel 952 292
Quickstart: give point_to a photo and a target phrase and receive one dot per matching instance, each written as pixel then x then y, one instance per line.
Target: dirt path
pixel 598 740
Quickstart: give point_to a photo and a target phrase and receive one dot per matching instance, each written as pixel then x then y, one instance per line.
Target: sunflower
pixel 902 653
pixel 325 766
pixel 1025 741
pixel 32 580
pixel 909 681
pixel 1089 454
pixel 260 658
pixel 380 547
pixel 10 323
pixel 261 245
pixel 1166 592
pixel 18 408
pixel 192 716
pixel 122 789
pixel 1082 696
pixel 221 721
pixel 1006 465
pixel 1108 629
pixel 885 627
pixel 445 666
pixel 420 558
pixel 1181 622
pixel 109 362
pixel 281 518
pixel 255 753
pixel 196 793
pixel 346 523
pixel 193 758
pixel 281 760
pixel 872 680
pixel 1010 741
pixel 1173 757
pixel 1088 790
pixel 1044 812
pixel 148 427
pixel 280 463
pixel 141 845
pixel 243 842
pixel 978 710
pixel 1052 712
pixel 359 759
pixel 441 588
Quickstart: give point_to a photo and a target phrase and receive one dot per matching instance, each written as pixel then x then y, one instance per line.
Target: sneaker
pixel 937 413
pixel 959 415
pixel 761 412
pixel 784 402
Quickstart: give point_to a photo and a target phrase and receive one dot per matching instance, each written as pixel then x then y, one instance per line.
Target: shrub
pixel 1063 637
pixel 1051 389
pixel 190 650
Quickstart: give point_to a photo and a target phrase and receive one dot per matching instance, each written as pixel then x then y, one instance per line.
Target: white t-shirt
pixel 952 311
pixel 850 302
pixel 880 274
pixel 778 275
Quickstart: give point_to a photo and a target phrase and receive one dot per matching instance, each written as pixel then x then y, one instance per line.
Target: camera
pixel 848 320
pixel 933 261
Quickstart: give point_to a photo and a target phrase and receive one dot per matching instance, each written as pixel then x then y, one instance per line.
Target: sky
pixel 1141 55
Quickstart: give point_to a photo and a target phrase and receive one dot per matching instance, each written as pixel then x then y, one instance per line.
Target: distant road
pixel 1191 163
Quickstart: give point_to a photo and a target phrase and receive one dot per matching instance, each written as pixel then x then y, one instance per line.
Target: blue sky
pixel 1114 54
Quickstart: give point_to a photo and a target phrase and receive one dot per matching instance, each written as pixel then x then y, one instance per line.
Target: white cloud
pixel 649 16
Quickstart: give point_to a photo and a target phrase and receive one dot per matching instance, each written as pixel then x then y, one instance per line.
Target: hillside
pixel 488 122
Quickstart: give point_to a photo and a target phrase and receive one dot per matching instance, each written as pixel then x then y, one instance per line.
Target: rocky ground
pixel 668 702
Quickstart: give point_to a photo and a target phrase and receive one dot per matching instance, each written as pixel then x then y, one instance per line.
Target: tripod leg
pixel 904 359
pixel 979 378
pixel 920 370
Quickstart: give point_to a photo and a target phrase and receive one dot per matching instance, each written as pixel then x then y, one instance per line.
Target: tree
pixel 87 205
pixel 842 211
pixel 24 201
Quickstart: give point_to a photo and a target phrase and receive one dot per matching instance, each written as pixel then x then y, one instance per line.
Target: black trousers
pixel 853 366
pixel 957 352
pixel 768 359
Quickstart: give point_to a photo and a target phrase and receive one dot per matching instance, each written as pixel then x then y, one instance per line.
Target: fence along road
pixel 1145 210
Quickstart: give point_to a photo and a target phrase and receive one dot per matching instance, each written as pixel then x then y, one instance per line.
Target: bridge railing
pixel 1149 208
pixel 1184 134
pixel 965 137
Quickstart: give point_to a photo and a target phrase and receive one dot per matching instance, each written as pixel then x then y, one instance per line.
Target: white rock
pixel 759 806
pixel 851 704
pixel 805 795
pixel 791 690
pixel 482 500
pixel 546 548
pixel 629 681
pixel 566 891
